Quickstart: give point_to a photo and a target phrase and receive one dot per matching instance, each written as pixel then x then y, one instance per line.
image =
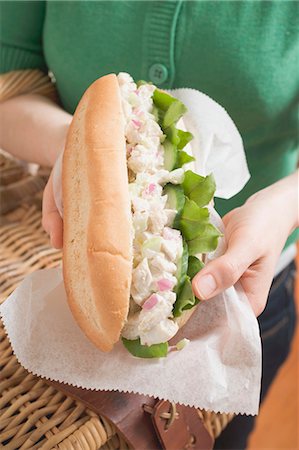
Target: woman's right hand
pixel 51 219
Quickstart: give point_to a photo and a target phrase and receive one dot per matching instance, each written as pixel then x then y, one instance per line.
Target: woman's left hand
pixel 51 219
pixel 255 235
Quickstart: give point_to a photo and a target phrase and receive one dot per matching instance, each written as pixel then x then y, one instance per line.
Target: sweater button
pixel 158 73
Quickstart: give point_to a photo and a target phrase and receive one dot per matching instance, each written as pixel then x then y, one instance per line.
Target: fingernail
pixel 206 285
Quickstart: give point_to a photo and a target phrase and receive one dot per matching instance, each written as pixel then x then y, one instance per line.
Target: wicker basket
pixel 34 414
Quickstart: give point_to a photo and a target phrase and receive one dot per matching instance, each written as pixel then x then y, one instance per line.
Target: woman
pixel 243 55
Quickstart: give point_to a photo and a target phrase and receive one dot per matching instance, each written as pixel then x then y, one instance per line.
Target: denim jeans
pixel 277 325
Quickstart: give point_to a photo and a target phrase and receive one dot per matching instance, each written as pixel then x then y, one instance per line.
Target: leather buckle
pixel 179 427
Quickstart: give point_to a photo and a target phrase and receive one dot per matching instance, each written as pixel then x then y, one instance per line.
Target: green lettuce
pixel 175 111
pixel 200 235
pixel 185 138
pixel 192 219
pixel 199 189
pixel 183 158
pixel 162 100
pixel 206 241
pixel 167 111
pixel 185 299
pixel 144 351
pixel 194 266
pixel 182 268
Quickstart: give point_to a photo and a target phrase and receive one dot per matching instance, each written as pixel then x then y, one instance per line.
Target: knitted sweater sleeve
pixel 21 35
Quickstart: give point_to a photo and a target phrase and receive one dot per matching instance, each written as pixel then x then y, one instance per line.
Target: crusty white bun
pixel 97 237
pixel 97 233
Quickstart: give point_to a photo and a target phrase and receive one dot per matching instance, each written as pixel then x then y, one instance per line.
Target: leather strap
pixel 144 422
pixel 180 427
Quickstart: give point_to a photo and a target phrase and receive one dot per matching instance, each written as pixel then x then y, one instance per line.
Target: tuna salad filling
pixel 159 181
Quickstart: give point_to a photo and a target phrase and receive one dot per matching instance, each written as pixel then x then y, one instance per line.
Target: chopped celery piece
pixel 175 196
pixel 170 155
pixel 153 244
pixel 172 134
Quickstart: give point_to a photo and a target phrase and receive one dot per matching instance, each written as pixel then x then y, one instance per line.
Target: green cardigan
pixel 243 54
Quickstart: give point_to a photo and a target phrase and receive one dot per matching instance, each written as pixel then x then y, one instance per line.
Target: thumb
pixel 51 220
pixel 224 271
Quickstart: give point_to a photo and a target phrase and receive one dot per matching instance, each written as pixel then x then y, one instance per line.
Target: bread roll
pixel 97 226
pixel 97 233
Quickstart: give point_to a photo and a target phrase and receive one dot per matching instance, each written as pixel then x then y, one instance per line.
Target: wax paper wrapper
pixel 218 370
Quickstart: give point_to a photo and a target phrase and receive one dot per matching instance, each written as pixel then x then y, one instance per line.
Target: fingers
pixel 256 283
pixel 51 220
pixel 224 271
pixel 55 229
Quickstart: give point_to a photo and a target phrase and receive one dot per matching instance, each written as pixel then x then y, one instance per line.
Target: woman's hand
pixel 52 221
pixel 255 234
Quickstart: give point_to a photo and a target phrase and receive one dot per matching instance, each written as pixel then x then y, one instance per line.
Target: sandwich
pixel 136 222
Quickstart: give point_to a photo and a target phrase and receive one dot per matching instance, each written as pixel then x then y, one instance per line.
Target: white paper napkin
pixel 217 145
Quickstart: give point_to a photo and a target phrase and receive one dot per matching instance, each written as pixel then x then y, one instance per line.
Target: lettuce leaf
pixel 206 241
pixel 194 266
pixel 167 111
pixel 144 351
pixel 185 299
pixel 174 112
pixel 200 235
pixel 163 100
pixel 192 219
pixel 182 268
pixel 185 137
pixel 183 158
pixel 199 189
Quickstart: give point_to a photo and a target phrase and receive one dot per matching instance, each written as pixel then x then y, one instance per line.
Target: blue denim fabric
pixel 277 324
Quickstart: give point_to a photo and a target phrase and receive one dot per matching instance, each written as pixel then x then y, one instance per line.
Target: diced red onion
pixel 137 123
pixel 150 188
pixel 150 302
pixel 165 284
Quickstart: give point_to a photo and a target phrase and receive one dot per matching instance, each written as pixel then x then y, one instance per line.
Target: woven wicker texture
pixel 20 82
